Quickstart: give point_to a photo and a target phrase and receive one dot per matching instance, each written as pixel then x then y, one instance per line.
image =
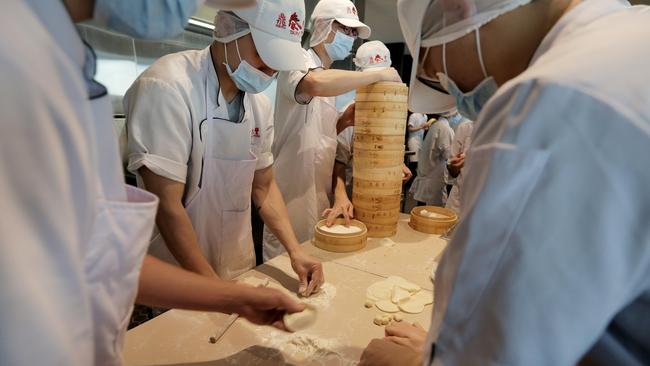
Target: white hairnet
pixel 228 27
pixel 444 21
pixel 321 28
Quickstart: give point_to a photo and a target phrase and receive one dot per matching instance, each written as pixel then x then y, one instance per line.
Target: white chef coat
pixel 430 184
pixel 555 241
pixel 74 235
pixel 304 149
pixel 170 134
pixel 461 144
pixel 414 141
pixel 344 152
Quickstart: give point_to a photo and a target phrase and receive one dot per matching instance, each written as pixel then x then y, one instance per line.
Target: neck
pixel 80 10
pixel 322 54
pixel 227 86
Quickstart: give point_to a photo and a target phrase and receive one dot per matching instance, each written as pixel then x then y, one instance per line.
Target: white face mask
pixel 247 78
pixel 340 47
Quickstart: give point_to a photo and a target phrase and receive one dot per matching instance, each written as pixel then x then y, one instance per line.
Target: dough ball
pixel 369 303
pixel 299 321
pixel 386 306
pixel 398 317
pixel 378 319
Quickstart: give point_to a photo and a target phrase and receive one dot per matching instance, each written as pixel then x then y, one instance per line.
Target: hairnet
pixel 228 27
pixel 321 28
pixel 444 21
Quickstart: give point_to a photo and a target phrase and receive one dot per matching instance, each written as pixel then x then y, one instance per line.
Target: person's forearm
pixel 332 82
pixel 164 285
pixel 181 240
pixel 338 183
pixel 270 204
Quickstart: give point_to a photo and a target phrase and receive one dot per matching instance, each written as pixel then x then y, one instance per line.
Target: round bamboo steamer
pixel 382 107
pixel 377 187
pixel 378 159
pixel 432 225
pixel 341 243
pixel 368 114
pixel 378 142
pixel 368 201
pixel 387 174
pixel 395 129
pixel 381 97
pixel 390 87
pixel 376 217
pixel 381 231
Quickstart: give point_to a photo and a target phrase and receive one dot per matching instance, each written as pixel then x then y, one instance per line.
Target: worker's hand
pixel 309 271
pixel 408 335
pixel 455 165
pixel 407 173
pixel 342 206
pixel 381 352
pixel 266 306
pixel 425 126
pixel 346 120
pixel 389 74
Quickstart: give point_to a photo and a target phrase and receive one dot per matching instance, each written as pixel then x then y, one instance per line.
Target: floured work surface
pixel 409 254
pixel 344 327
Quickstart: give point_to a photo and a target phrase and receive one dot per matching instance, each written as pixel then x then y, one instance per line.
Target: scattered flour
pixel 341 229
pixel 323 298
pixel 387 242
pixel 305 349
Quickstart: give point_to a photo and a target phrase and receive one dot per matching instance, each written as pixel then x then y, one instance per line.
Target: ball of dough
pixel 299 321
pixel 378 319
pixel 398 317
pixel 369 303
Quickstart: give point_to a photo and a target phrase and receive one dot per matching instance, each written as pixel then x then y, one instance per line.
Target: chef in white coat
pixel 456 164
pixel 200 135
pixel 307 121
pixel 430 184
pixel 76 236
pixel 371 56
pixel 551 263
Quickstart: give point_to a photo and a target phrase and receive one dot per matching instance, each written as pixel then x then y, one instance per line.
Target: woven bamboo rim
pixel 430 225
pixel 340 243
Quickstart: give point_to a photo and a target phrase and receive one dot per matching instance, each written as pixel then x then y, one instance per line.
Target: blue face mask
pixel 151 19
pixel 247 78
pixel 340 47
pixel 469 104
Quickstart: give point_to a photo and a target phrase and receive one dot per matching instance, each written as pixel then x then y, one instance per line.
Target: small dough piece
pixel 299 321
pixel 399 294
pixel 385 321
pixel 386 306
pixel 435 215
pixel 425 297
pixel 398 317
pixel 424 213
pixel 412 306
pixel 341 229
pixel 369 303
pixel 378 319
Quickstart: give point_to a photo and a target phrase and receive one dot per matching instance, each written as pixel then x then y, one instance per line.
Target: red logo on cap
pixel 352 10
pixel 281 22
pixel 255 132
pixel 294 24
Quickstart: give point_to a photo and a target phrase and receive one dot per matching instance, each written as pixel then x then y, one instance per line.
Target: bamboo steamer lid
pixel 387 173
pixel 340 243
pixel 378 142
pixel 385 87
pixel 377 187
pixel 371 216
pixel 431 225
pixel 375 202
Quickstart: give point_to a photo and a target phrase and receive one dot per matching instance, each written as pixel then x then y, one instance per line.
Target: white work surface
pixel 343 329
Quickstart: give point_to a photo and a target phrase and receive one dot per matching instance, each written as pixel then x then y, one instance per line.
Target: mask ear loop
pixel 225 53
pixel 239 55
pixel 444 59
pixel 480 53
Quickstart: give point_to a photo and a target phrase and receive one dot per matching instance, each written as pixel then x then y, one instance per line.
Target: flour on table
pixel 341 229
pixel 323 298
pixel 387 242
pixel 305 349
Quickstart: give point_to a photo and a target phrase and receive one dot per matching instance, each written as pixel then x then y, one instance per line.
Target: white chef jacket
pixel 344 152
pixel 165 110
pixel 414 141
pixel 430 184
pixel 461 144
pixel 60 178
pixel 304 149
pixel 555 242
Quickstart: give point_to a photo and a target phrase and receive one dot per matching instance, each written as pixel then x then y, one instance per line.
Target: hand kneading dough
pixel 298 321
pixel 341 229
pixel 386 306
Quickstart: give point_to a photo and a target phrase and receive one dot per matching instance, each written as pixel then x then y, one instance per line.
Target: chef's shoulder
pixel 180 70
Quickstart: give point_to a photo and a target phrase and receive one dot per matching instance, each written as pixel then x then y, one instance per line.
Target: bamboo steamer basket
pixel 377 187
pixel 376 174
pixel 393 129
pixel 376 202
pixel 378 159
pixel 370 114
pixel 385 87
pixel 382 97
pixel 378 142
pixel 381 231
pixel 381 107
pixel 340 243
pixel 431 225
pixel 386 217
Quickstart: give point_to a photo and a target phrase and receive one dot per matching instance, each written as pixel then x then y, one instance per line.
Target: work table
pixel 344 326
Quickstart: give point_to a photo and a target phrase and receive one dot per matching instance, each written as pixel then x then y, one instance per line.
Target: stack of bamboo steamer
pixel 379 127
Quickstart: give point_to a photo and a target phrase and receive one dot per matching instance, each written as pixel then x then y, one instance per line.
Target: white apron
pixel 220 211
pixel 118 244
pixel 304 172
